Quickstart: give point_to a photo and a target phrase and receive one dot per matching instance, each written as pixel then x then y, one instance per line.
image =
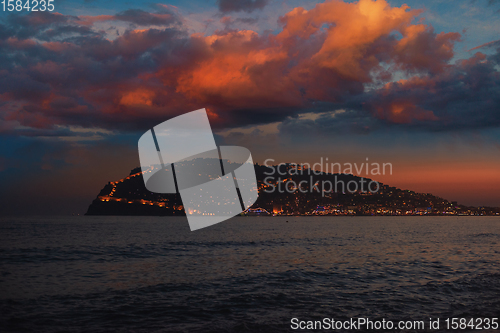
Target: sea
pixel 247 274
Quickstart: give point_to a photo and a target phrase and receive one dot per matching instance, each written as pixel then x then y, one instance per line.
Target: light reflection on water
pixel 245 274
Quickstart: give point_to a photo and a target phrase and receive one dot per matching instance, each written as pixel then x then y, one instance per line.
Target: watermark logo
pixel 180 156
pixel 279 178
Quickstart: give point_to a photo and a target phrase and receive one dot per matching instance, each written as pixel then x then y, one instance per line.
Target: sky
pixel 414 84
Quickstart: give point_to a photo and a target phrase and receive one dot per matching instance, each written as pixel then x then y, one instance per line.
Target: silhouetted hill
pixel 296 191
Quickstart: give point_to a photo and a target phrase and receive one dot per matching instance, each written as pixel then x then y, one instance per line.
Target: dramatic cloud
pixel 379 63
pixel 465 95
pixel 135 16
pixel 334 123
pixel 248 6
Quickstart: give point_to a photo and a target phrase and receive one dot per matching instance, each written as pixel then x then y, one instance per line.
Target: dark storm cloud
pixel 163 16
pixel 76 74
pixel 27 26
pixel 248 6
pixel 66 32
pixel 143 18
pixel 465 95
pixel 331 123
pixel 63 70
pixel 47 25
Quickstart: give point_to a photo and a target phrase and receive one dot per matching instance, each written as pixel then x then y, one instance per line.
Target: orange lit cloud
pixel 328 54
pixel 239 74
pixel 403 112
pixel 138 97
pixel 325 54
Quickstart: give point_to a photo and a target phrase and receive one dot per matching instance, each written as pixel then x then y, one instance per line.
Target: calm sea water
pixel 249 274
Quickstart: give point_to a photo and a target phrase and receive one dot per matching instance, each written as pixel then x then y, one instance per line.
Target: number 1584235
pixel 27 5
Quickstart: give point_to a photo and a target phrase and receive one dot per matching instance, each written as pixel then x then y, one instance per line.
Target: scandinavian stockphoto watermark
pixel 368 324
pixel 279 177
pixel 180 156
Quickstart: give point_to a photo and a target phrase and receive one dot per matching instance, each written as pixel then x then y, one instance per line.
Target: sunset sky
pixel 412 83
